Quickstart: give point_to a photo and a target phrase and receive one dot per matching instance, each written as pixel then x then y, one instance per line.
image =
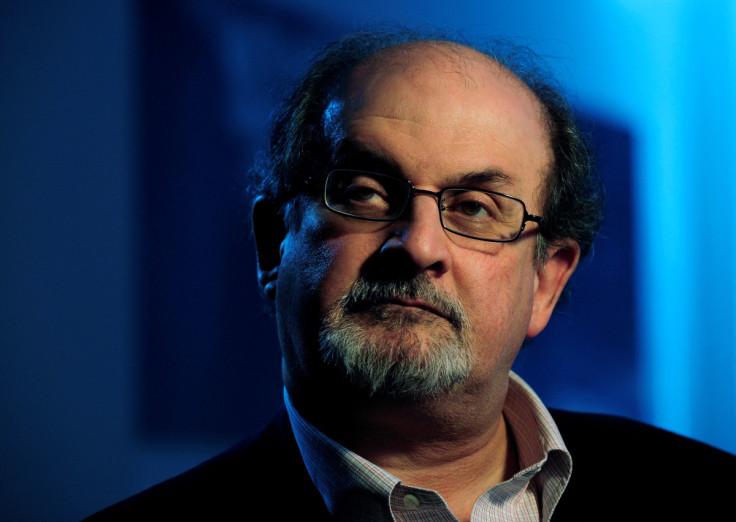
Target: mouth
pixel 415 300
pixel 418 304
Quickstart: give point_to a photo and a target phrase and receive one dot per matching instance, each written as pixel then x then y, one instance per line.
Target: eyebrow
pixel 354 155
pixel 492 176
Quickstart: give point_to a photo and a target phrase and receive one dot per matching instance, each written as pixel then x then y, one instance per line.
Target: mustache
pixel 366 293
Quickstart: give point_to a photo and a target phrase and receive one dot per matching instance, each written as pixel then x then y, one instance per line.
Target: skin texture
pixel 436 112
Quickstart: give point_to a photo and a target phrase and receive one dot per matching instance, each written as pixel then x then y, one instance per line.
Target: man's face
pixel 438 117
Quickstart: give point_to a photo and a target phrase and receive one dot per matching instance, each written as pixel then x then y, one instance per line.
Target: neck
pixel 458 445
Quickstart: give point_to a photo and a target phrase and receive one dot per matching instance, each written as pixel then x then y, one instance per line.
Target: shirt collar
pixel 538 442
pixel 535 432
pixel 340 474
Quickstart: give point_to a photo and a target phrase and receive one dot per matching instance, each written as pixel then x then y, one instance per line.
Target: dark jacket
pixel 622 470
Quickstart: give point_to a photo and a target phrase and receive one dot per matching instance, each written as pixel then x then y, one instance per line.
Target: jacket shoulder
pixel 263 471
pixel 627 469
pixel 608 435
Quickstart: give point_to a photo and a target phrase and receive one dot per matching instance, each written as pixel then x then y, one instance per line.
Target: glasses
pixel 470 212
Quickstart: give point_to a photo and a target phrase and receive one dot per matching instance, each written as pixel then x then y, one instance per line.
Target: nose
pixel 419 236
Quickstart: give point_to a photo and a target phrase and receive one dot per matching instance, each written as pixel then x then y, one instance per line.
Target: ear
pixel 550 281
pixel 269 231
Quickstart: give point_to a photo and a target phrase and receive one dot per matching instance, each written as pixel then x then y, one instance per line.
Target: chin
pixel 410 362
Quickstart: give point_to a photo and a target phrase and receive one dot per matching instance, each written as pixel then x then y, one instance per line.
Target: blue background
pixel 132 342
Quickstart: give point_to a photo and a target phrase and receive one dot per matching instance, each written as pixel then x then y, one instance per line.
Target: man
pixel 420 213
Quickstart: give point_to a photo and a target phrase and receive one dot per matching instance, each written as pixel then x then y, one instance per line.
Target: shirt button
pixel 411 501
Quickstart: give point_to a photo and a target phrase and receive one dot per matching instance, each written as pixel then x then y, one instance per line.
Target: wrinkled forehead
pixel 430 66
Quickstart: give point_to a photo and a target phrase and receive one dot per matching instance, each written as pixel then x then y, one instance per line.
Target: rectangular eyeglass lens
pixel 482 215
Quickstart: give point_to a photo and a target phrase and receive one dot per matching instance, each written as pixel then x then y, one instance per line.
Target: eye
pixel 359 194
pixel 470 205
pixel 472 208
pixel 364 190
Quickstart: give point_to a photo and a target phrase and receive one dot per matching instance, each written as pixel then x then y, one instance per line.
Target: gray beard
pixel 381 352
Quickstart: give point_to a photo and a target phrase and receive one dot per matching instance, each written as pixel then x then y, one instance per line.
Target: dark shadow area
pixel 211 363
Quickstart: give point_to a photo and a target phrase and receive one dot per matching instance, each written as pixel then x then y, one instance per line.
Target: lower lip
pixel 416 306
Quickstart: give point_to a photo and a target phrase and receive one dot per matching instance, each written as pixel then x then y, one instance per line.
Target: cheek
pixel 344 260
pixel 302 274
pixel 322 263
pixel 304 264
pixel 315 272
pixel 500 307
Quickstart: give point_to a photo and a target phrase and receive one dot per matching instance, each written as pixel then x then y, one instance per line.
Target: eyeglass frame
pixel 438 195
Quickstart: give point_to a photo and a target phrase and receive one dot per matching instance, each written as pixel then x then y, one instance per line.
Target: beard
pixel 409 354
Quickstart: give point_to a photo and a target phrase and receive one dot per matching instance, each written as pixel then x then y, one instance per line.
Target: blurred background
pixel 132 341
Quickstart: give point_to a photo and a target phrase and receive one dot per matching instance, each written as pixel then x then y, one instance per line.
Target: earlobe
pixel 267 281
pixel 269 232
pixel 551 281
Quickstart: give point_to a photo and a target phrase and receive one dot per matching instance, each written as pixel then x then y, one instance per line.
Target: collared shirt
pixel 355 489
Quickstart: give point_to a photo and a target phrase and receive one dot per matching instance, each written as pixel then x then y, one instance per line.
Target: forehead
pixel 442 109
